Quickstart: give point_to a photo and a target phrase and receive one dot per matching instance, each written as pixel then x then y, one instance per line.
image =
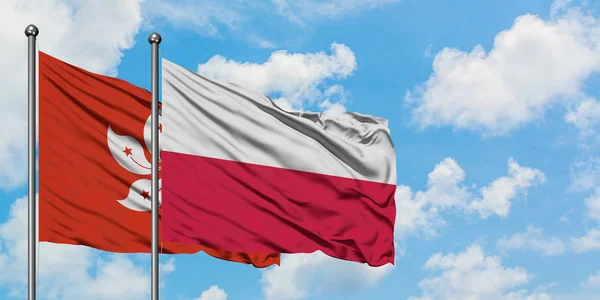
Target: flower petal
pixel 128 152
pixel 136 201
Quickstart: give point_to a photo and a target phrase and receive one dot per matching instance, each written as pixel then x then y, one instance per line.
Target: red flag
pixel 94 164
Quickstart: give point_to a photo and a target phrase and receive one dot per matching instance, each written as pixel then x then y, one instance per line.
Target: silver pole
pixel 154 40
pixel 31 32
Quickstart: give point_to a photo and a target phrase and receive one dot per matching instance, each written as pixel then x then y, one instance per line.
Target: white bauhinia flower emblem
pixel 128 152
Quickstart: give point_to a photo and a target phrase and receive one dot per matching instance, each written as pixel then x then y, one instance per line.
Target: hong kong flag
pixel 94 164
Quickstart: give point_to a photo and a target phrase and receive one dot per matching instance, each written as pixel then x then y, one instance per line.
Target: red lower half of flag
pixel 251 208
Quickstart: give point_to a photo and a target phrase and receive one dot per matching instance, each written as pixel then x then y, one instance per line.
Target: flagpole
pixel 154 39
pixel 31 32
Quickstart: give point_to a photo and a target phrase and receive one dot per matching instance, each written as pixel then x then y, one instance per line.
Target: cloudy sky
pixel 494 109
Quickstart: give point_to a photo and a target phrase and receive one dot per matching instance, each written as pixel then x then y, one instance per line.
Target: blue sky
pixel 493 108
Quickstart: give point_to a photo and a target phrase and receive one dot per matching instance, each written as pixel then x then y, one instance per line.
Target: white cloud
pixel 335 98
pixel 202 16
pixel 167 267
pixel 301 11
pixel 296 78
pixel 427 53
pixel 415 214
pixel 66 271
pixel 533 240
pixel 213 293
pixel 593 282
pixel 589 242
pixel 592 204
pixel 210 17
pixel 301 273
pixel 70 31
pixel 585 174
pixel 585 116
pixel 524 295
pixel 420 211
pixel 261 42
pixel 213 18
pixel 117 278
pixel 444 185
pixel 332 109
pixel 533 65
pixel 559 6
pixel 496 196
pixel 472 275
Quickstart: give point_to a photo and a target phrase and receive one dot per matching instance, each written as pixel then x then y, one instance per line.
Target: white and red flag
pixel 241 174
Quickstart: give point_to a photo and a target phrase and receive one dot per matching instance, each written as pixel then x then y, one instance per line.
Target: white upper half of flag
pixel 225 121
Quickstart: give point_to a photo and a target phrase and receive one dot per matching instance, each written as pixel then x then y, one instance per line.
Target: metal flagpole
pixel 31 32
pixel 154 40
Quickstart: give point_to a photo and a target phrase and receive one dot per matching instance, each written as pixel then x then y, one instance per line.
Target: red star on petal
pixel 145 194
pixel 127 151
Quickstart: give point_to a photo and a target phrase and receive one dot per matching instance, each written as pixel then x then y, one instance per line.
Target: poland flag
pixel 241 174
